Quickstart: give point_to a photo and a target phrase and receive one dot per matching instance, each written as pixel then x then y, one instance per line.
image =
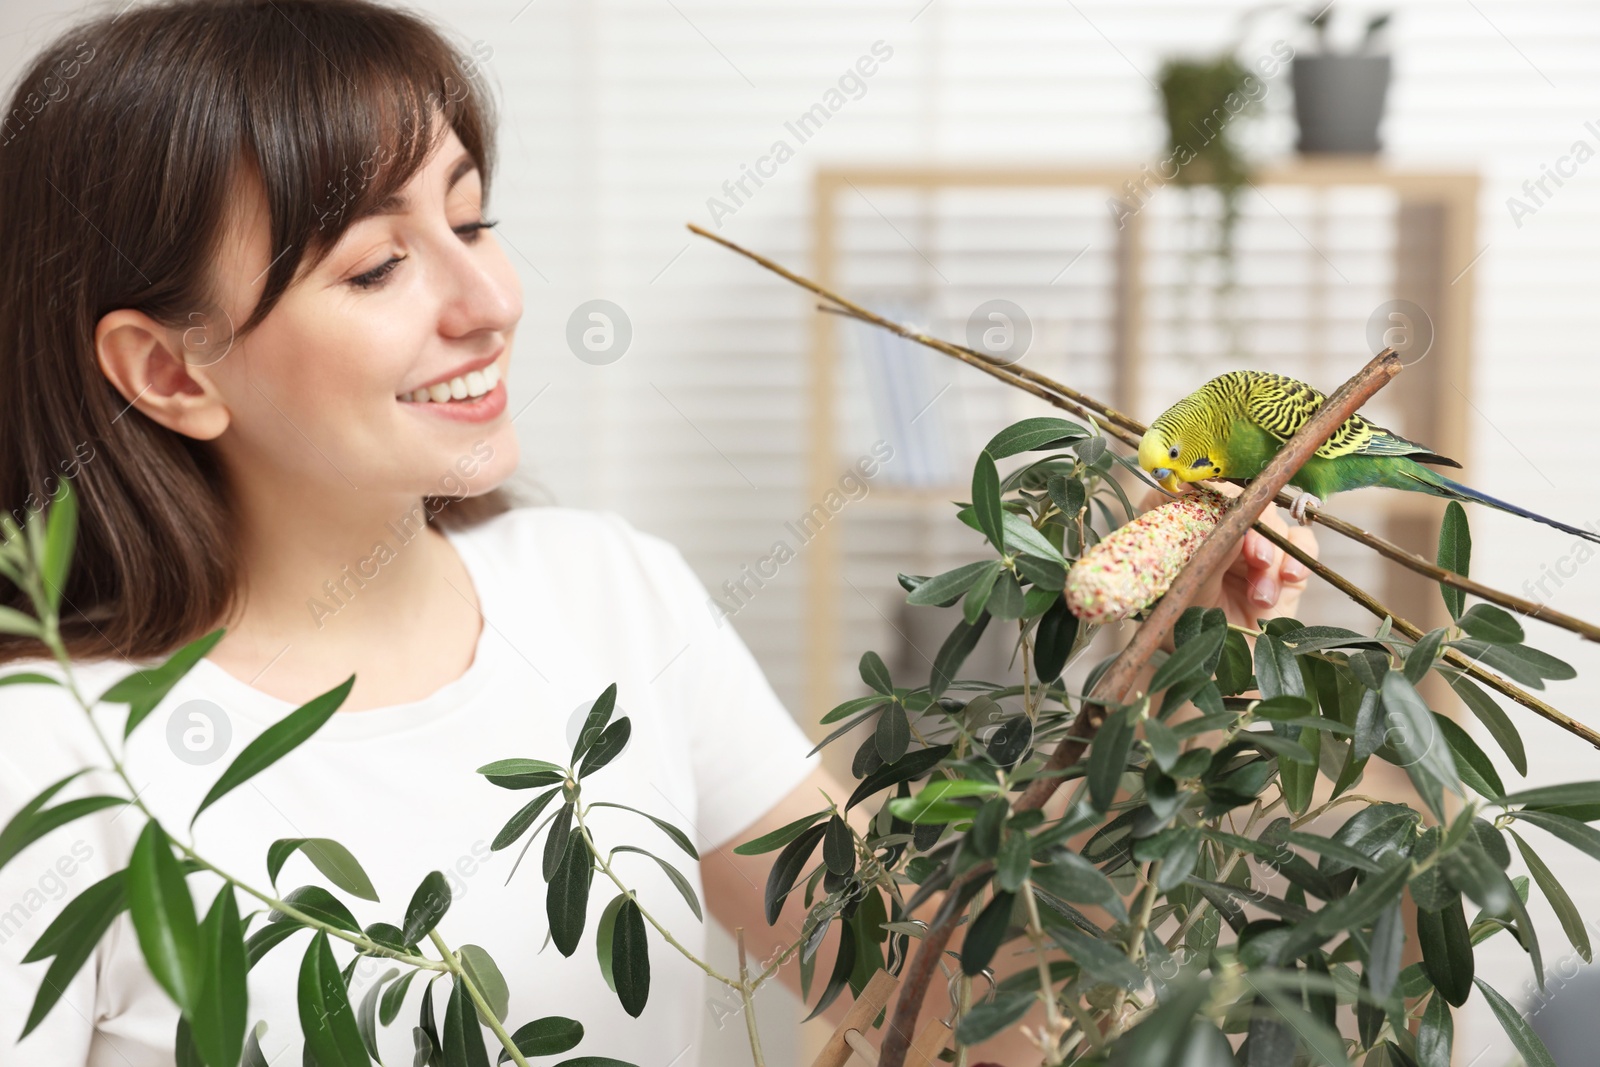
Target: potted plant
pixel 1339 96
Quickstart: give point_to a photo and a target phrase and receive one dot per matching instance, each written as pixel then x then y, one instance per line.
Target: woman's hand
pixel 1262 581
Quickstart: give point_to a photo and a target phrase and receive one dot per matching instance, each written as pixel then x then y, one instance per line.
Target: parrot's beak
pixel 1167 479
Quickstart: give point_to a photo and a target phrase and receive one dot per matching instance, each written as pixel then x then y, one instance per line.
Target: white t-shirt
pixel 573 600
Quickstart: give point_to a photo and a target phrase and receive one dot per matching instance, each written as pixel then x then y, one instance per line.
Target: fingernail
pixel 1264 592
pixel 1260 549
pixel 1294 570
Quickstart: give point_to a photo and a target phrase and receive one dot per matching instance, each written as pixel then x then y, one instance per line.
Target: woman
pixel 255 313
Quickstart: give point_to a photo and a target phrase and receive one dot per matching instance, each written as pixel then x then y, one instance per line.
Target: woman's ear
pixel 146 362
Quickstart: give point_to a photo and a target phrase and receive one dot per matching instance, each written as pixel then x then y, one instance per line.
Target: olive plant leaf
pixel 1447 951
pixel 1108 755
pixel 144 689
pixel 630 959
pixel 277 741
pixel 485 974
pixel 779 837
pixel 1522 1036
pixel 567 896
pixel 607 747
pixel 428 904
pixel 329 857
pixel 326 1018
pixel 1435 1034
pixel 681 883
pixel 549 1036
pixel 462 1039
pixel 525 817
pixel 1033 435
pixel 367 1012
pixel 786 870
pixel 1494 719
pixel 61 531
pixel 679 838
pixel 875 674
pixel 955 650
pixel 1454 554
pixel 1567 912
pixel 943 589
pixel 70 939
pixel 986 933
pixel 217 1026
pixel 595 722
pixel 34 819
pixel 986 500
pixel 164 918
pixel 319 904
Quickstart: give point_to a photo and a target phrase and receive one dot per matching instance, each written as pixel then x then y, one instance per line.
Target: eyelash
pixel 373 278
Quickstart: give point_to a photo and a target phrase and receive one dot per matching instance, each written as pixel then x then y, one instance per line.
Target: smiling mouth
pixel 464 387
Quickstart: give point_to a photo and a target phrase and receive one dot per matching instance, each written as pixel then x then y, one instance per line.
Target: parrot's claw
pixel 1301 503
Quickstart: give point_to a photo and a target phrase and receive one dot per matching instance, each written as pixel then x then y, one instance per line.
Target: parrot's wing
pixel 1384 443
pixel 1281 405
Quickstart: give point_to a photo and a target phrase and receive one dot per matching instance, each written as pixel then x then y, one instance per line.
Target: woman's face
pixel 363 376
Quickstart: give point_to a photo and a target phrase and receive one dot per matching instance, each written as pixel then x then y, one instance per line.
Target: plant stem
pixel 578 811
pixel 484 1010
pixel 1054 1027
pixel 745 990
pixel 1136 947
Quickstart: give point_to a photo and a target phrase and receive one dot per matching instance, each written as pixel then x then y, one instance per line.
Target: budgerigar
pixel 1232 425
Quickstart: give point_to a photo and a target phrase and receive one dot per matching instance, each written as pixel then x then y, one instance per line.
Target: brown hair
pixel 120 151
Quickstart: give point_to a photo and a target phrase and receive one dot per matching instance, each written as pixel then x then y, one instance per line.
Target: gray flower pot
pixel 1338 101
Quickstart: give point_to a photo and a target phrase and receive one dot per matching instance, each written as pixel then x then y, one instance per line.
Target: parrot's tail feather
pixel 1442 486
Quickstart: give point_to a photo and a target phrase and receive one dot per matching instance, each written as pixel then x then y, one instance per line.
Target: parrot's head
pixel 1171 460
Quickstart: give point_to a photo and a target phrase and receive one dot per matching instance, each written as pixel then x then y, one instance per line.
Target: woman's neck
pixel 371 589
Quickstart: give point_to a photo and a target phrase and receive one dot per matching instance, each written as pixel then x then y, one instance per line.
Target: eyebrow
pixel 396 203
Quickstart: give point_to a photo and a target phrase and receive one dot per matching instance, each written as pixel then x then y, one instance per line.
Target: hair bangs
pixel 383 94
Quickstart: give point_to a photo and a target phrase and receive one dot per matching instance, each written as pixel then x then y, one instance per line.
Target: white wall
pixel 621 117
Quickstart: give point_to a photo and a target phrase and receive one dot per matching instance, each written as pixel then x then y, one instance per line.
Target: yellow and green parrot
pixel 1232 425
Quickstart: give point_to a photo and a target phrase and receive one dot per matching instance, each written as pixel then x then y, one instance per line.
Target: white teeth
pixel 473 383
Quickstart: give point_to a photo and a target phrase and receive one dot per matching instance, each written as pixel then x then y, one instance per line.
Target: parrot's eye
pixel 1172 453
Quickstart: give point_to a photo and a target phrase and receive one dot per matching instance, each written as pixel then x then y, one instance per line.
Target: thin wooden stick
pixel 873 999
pixel 1129 430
